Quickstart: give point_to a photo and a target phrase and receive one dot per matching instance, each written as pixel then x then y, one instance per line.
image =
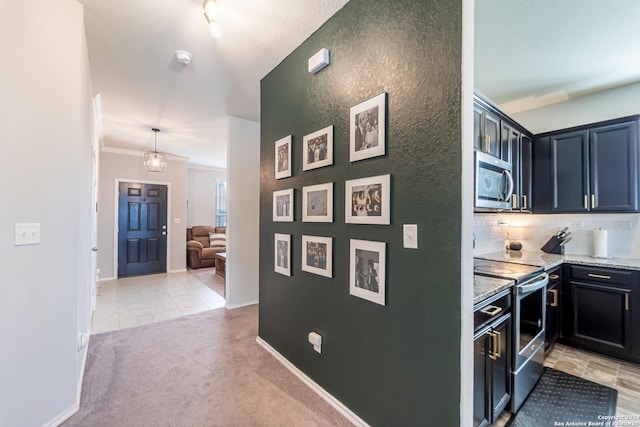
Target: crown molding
pixel 137 153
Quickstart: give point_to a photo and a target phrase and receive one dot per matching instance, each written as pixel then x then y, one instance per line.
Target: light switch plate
pixel 410 236
pixel 177 220
pixel 27 234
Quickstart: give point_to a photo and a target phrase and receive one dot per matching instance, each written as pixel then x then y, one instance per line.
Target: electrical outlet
pixel 576 224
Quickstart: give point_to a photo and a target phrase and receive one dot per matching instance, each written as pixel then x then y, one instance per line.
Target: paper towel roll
pixel 600 243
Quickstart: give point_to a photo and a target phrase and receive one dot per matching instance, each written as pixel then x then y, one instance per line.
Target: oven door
pixel 494 184
pixel 530 309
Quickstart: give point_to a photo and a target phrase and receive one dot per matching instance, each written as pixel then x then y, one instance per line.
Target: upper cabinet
pixel 496 134
pixel 588 169
pixel 486 131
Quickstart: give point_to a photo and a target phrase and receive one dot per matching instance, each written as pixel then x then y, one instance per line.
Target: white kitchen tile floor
pixel 133 301
pixel 622 376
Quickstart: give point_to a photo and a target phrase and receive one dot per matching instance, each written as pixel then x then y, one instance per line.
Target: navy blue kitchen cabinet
pixel 521 164
pixel 601 302
pixel 486 131
pixel 554 309
pixel 590 168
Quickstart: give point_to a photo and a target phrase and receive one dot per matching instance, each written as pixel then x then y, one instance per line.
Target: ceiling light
pixel 155 161
pixel 215 30
pixel 211 9
pixel 211 14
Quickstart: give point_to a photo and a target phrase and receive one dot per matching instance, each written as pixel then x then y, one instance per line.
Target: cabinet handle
pixel 555 297
pixel 499 343
pixel 593 201
pixel 491 310
pixel 626 302
pixel 554 277
pixel 487 143
pixel 524 202
pixel 586 201
pixel 514 201
pixel 492 353
pixel 599 276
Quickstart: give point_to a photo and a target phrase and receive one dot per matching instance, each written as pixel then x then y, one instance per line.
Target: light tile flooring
pixel 122 303
pixel 624 377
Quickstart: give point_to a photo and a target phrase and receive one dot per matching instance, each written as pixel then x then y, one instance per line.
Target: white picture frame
pixel 282 254
pixel 368 128
pixel 317 203
pixel 367 270
pixel 317 255
pixel 317 149
pixel 283 205
pixel 283 157
pixel 368 200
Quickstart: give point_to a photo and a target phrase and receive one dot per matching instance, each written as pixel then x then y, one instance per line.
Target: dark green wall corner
pixel 397 364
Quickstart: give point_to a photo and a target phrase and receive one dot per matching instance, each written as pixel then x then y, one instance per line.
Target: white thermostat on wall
pixel 318 61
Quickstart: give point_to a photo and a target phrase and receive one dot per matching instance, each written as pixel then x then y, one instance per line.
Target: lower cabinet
pixel 601 310
pixel 492 371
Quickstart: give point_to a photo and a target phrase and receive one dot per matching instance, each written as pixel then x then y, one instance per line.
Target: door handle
pixel 164 227
pixel 94 249
pixel 555 297
pixel 493 355
pixel 164 233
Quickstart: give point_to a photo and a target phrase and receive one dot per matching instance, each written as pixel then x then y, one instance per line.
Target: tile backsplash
pixel 623 232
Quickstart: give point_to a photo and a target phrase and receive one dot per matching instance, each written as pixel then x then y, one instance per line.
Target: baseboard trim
pixel 105 279
pixel 244 304
pixel 328 397
pixel 181 270
pixel 76 406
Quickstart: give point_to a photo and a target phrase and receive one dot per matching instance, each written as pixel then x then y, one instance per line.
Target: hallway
pixel 133 301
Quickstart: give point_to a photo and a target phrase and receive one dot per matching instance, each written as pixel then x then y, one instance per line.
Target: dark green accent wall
pixel 397 364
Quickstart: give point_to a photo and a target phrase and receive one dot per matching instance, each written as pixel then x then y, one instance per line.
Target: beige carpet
pixel 209 277
pixel 199 370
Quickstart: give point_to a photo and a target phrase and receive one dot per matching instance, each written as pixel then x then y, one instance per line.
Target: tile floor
pixel 623 376
pixel 133 301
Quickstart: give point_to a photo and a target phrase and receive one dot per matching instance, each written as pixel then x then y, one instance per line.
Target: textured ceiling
pixel 141 85
pixel 530 53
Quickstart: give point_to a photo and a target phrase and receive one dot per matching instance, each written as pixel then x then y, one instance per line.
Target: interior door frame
pixel 115 219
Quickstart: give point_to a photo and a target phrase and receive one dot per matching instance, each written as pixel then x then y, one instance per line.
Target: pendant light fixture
pixel 153 160
pixel 211 15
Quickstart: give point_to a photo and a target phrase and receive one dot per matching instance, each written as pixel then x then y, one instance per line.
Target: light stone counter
pixel 548 261
pixel 484 287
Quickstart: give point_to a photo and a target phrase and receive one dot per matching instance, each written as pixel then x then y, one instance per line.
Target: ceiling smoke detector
pixel 183 57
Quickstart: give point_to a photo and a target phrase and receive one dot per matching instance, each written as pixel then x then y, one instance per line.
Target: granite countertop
pixel 484 287
pixel 549 261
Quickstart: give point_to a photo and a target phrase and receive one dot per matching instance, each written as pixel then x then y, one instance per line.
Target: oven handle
pixel 534 284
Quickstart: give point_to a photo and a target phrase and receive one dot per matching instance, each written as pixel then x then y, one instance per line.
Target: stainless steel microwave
pixel 493 182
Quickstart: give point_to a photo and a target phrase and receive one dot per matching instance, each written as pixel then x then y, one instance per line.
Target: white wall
pixel 201 195
pixel 611 104
pixel 623 232
pixel 46 131
pixel 243 221
pixel 129 167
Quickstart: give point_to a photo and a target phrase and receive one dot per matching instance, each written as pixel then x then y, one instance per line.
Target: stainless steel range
pixel 529 314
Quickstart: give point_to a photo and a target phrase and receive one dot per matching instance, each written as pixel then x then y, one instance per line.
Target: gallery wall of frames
pixel 347 157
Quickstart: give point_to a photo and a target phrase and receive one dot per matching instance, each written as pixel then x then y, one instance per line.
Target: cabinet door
pixel 480 380
pixel 478 132
pixel 526 173
pixel 613 154
pixel 553 325
pixel 601 317
pixel 511 138
pixel 492 134
pixel 501 367
pixel 570 172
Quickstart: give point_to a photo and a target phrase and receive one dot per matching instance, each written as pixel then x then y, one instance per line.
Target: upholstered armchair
pixel 203 243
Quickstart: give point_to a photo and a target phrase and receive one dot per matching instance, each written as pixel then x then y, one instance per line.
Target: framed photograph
pixel 317 255
pixel 283 205
pixel 282 261
pixel 367 267
pixel 283 157
pixel 367 200
pixel 368 126
pixel 317 203
pixel 317 149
